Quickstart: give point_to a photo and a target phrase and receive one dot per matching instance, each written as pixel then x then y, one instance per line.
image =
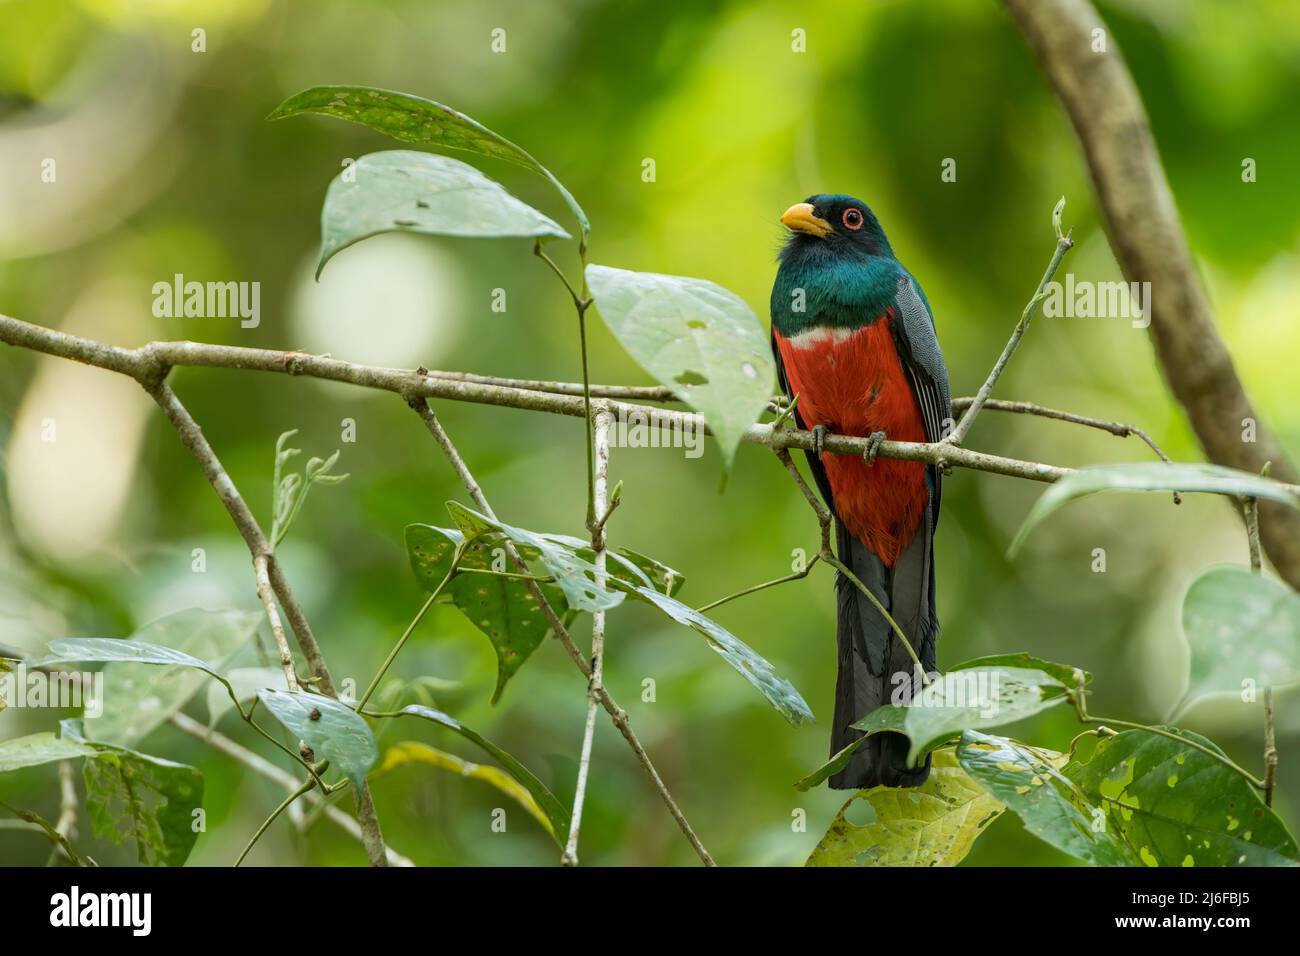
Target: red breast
pixel 851 381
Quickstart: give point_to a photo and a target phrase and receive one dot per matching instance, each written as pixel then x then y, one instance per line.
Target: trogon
pixel 855 342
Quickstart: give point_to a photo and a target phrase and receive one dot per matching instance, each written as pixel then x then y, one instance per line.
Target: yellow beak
pixel 800 218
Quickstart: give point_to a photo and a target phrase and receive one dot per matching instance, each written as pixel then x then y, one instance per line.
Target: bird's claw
pixel 873 445
pixel 819 433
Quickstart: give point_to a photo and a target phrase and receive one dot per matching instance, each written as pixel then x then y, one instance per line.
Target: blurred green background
pixel 165 166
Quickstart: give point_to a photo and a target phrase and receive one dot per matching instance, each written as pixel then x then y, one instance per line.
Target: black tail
pixel 872 660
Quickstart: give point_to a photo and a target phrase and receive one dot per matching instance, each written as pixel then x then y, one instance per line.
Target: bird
pixel 857 352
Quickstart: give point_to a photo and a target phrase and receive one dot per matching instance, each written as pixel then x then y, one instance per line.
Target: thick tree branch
pixel 1148 239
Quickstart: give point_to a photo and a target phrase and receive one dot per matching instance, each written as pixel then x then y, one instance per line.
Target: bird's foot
pixel 873 445
pixel 819 433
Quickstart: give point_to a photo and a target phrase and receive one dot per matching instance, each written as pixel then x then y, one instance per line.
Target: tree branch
pixel 269 771
pixel 150 375
pixel 1063 245
pixel 616 713
pixel 595 684
pixel 267 596
pixel 1148 239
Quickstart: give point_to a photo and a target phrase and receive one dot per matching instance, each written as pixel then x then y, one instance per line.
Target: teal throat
pixel 816 290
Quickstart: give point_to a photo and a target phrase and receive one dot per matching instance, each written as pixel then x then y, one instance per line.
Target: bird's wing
pixel 918 348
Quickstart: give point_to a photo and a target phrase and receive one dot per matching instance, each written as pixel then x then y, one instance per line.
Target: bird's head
pixel 834 225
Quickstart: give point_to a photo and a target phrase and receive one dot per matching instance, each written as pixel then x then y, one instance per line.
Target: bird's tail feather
pixel 873 662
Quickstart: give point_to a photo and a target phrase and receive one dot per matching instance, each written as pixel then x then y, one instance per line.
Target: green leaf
pixel 111 649
pixel 405 191
pixel 980 697
pixel 36 749
pixel 1067 674
pixel 503 609
pixel 413 119
pixel 290 491
pixel 244 682
pixel 574 575
pixel 640 570
pixel 779 692
pixel 1240 627
pixel 1029 782
pixel 546 801
pixel 140 696
pixel 1170 804
pixel 333 730
pixel 696 338
pixel 146 798
pixel 934 824
pixel 1152 476
pixel 411 751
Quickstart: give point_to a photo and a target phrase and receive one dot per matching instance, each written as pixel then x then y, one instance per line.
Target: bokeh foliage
pixel 739 127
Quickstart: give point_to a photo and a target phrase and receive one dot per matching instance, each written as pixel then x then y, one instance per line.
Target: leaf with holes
pixel 546 800
pixel 334 731
pixel 779 692
pixel 149 799
pixel 1171 804
pixel 1031 785
pixel 979 697
pixel 574 575
pixel 696 338
pixel 1152 476
pixel 414 119
pixel 935 824
pixel 503 609
pixel 1240 627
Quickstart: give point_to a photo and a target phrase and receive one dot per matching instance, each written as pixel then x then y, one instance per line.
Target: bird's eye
pixel 852 219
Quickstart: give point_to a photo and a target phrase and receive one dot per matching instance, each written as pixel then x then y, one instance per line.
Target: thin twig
pixel 1119 429
pixel 302 788
pixel 191 436
pixel 410 628
pixel 66 825
pixel 269 771
pixel 1251 509
pixel 267 595
pixel 786 579
pixel 1063 244
pixel 595 684
pixel 634 393
pixel 617 714
pixel 1270 749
